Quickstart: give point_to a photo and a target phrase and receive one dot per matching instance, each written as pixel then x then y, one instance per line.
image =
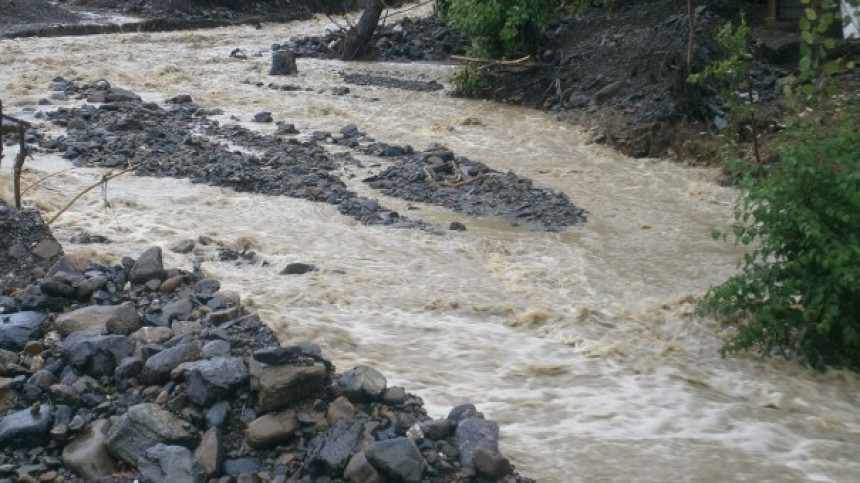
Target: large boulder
pixel 279 386
pixel 210 380
pixel 96 354
pixel 176 464
pixel 141 428
pixel 149 266
pixel 157 368
pixel 398 458
pixel 283 63
pixel 362 384
pixel 272 429
pixel 27 427
pixel 88 456
pixel 19 328
pixel 329 452
pixel 114 319
pixel 475 433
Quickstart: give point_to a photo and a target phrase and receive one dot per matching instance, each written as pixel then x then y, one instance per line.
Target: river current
pixel 583 345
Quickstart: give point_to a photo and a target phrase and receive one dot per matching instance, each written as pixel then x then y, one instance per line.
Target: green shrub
pixel 499 28
pixel 798 292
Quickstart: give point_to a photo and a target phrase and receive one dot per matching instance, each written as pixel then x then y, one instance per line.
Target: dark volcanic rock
pixel 162 463
pixel 96 354
pixel 157 368
pixel 22 229
pixel 19 328
pixel 362 383
pixel 283 63
pixel 329 452
pixel 141 428
pixel 279 386
pixel 214 379
pixel 474 433
pixel 148 267
pixel 398 458
pixel 26 427
pixel 297 268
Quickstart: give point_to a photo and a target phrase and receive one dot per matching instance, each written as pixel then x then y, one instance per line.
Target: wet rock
pixel 210 452
pixel 272 430
pixel 438 429
pixel 115 319
pixel 263 117
pixel 297 268
pixel 329 452
pixel 157 368
pixel 279 386
pixel 217 414
pixel 473 434
pixel 71 264
pixel 177 310
pixel 183 246
pixel 128 368
pixel 213 379
pixel 462 411
pixel 118 94
pixel 151 335
pixel 149 266
pixel 17 329
pixel 47 249
pixel 490 463
pixel 398 458
pixel 339 409
pixel 283 63
pixel 27 427
pixel 457 226
pixel 394 396
pixel 359 470
pixel 162 463
pixel 144 426
pixel 87 455
pixel 32 298
pixel 96 354
pixel 362 383
pixel 216 348
pixel 242 466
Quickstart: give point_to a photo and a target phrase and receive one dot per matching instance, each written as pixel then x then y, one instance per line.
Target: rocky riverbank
pixel 140 372
pixel 115 129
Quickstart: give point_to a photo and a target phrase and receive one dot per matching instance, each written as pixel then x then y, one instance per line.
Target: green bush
pixel 499 28
pixel 798 292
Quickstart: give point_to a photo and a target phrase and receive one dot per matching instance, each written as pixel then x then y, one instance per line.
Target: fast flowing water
pixel 582 344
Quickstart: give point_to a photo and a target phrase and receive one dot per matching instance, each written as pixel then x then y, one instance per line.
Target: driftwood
pixel 19 165
pixel 102 182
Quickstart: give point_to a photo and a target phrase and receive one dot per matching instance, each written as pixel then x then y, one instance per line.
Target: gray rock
pixel 394 396
pixel 148 266
pixel 330 451
pixel 157 368
pixel 472 434
pixel 398 458
pixel 217 414
pixel 152 335
pixel 128 367
pixel 47 249
pixel 119 319
pixel 359 470
pixel 176 310
pixel 210 452
pixel 19 328
pixel 216 348
pixel 141 428
pixel 242 466
pixel 490 463
pixel 117 94
pixel 25 429
pixel 462 411
pixel 338 409
pixel 43 379
pixel 279 386
pixel 96 354
pixel 32 298
pixel 438 429
pixel 183 246
pixel 87 455
pixel 272 429
pixel 362 384
pixel 70 264
pixel 283 63
pixel 214 379
pixel 297 268
pixel 162 463
pixel 264 116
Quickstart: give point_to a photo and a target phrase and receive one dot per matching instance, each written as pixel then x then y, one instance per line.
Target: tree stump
pixel 283 63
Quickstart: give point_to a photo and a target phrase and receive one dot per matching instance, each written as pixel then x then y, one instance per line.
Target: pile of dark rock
pixel 122 131
pixel 27 247
pixel 181 140
pixel 438 177
pixel 410 39
pixel 361 79
pixel 135 372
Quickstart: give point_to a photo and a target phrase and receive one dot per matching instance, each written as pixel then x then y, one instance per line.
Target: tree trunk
pixel 358 38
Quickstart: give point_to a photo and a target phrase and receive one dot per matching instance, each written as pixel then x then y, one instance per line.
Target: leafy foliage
pixel 499 28
pixel 798 292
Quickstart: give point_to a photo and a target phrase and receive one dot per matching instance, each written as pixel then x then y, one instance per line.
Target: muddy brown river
pixel 583 345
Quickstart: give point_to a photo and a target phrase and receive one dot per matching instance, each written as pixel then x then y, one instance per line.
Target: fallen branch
pixel 102 182
pixel 39 181
pixel 478 60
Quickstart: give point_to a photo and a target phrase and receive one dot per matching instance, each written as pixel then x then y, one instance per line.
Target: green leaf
pixel 805 63
pixel 829 44
pixel 811 14
pixel 849 65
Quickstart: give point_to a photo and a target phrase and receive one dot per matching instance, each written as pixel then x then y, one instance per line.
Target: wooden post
pixel 19 165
